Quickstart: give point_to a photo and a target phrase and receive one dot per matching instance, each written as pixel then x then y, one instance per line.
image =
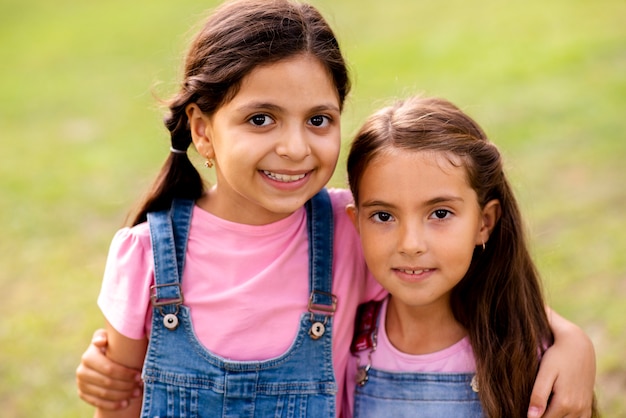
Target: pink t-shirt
pixel 458 358
pixel 242 283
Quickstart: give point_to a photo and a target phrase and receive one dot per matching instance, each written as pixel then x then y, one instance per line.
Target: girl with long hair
pixel 464 327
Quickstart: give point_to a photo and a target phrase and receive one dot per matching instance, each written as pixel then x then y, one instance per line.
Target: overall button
pixel 317 330
pixel 362 376
pixel 474 384
pixel 170 321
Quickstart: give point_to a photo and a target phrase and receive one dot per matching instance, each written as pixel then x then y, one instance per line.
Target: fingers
pixel 567 407
pixel 103 404
pixel 103 385
pixel 102 382
pixel 546 403
pixel 99 339
pixel 541 392
pixel 98 369
pixel 103 394
pixel 564 384
pixel 566 378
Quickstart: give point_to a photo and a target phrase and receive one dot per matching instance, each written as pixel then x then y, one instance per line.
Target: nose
pixel 294 144
pixel 411 240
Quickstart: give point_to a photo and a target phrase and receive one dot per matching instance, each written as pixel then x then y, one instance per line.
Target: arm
pixel 103 383
pixel 567 373
pixel 129 353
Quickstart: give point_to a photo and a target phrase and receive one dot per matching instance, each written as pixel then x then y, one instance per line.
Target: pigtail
pixel 178 177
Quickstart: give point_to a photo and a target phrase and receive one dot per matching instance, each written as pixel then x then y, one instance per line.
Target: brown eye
pixel 319 121
pixel 441 213
pixel 382 217
pixel 260 120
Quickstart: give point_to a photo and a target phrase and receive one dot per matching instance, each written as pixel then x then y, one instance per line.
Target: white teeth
pixel 414 271
pixel 283 177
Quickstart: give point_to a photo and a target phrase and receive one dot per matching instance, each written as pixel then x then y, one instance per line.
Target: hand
pixel 102 382
pixel 566 375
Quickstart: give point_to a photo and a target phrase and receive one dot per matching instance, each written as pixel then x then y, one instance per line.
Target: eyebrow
pixel 249 107
pixel 325 107
pixel 443 199
pixel 434 201
pixel 254 106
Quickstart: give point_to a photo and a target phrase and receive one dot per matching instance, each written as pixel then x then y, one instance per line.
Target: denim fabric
pixel 423 395
pixel 183 379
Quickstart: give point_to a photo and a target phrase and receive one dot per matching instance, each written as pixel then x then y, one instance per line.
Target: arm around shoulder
pixel 567 373
pixel 130 353
pixel 102 382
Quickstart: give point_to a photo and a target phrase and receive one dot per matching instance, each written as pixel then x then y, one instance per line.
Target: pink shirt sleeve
pixel 125 294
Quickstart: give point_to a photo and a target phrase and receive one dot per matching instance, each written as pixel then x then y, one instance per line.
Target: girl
pixel 261 327
pixel 235 300
pixel 463 329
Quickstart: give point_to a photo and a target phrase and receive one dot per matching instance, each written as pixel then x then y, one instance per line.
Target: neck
pixel 422 330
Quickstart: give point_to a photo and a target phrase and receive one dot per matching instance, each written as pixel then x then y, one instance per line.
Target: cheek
pixel 369 251
pixel 456 242
pixel 459 256
pixel 329 152
pixel 376 247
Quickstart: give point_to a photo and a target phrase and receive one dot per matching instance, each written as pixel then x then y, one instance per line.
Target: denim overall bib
pixel 183 379
pixel 381 393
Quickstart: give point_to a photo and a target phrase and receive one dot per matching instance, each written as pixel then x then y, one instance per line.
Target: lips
pixel 414 272
pixel 284 178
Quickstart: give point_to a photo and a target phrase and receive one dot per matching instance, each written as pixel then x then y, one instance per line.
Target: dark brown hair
pixel 238 37
pixel 499 301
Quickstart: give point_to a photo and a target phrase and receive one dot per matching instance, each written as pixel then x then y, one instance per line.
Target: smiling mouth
pixel 284 178
pixel 414 272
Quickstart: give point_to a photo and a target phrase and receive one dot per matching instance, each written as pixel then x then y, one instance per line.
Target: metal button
pixel 474 384
pixel 170 321
pixel 362 376
pixel 317 330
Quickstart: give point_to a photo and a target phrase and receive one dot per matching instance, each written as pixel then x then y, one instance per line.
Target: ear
pixel 490 216
pixel 353 213
pixel 200 127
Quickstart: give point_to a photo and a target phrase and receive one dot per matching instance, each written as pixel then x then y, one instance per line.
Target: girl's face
pixel 419 223
pixel 275 144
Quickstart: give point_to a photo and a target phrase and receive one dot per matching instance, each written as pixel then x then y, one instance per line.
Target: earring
pixel 483 245
pixel 208 163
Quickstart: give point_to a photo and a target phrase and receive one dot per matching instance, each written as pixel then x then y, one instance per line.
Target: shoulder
pixel 340 197
pixel 125 294
pixel 132 239
pixel 130 250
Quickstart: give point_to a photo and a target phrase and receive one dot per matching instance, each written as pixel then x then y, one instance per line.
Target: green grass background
pixel 81 139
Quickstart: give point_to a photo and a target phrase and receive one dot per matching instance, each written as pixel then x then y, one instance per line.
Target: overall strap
pixel 319 213
pixel 169 230
pixel 366 326
pixel 365 337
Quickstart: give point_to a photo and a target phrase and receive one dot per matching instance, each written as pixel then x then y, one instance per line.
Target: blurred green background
pixel 81 139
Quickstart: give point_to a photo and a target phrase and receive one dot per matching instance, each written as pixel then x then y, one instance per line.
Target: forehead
pixel 303 75
pixel 417 160
pixel 416 173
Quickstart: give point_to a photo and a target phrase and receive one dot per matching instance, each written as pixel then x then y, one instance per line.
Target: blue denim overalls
pixel 183 379
pixel 416 395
